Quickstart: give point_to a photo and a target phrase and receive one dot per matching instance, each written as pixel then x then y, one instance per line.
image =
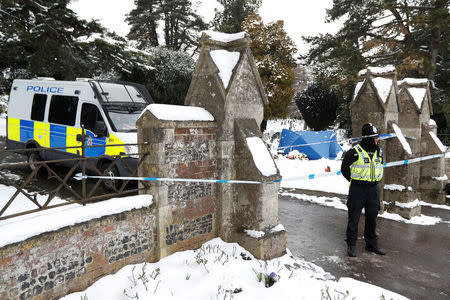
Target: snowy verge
pixel 20 228
pixel 417 220
pixel 439 206
pixel 292 168
pixel 220 270
pixel 336 203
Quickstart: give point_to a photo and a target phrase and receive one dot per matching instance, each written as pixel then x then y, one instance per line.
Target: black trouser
pixel 362 196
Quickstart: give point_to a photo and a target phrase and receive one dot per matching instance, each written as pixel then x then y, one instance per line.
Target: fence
pixel 79 194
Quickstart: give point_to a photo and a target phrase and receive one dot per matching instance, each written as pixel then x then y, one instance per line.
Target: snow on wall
pixel 20 228
pixel 261 156
pixel 432 122
pixel 378 70
pixel 225 62
pixel 438 141
pixel 418 95
pixel 402 139
pixel 383 87
pixel 258 234
pixel 225 37
pixel 411 204
pixel 179 112
pixel 357 89
pixel 413 81
pixel 441 178
pixel 394 187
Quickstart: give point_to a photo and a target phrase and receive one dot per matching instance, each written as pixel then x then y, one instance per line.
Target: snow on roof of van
pixel 377 70
pixel 224 37
pixel 225 62
pixel 168 112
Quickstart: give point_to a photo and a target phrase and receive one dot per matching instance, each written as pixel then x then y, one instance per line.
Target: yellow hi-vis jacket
pixel 366 168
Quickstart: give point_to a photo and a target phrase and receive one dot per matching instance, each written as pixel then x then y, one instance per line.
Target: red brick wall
pixel 191 155
pixel 53 264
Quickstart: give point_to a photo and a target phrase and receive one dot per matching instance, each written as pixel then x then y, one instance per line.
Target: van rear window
pixel 63 110
pixel 38 107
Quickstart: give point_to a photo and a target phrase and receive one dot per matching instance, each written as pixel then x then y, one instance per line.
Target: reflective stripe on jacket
pixel 366 168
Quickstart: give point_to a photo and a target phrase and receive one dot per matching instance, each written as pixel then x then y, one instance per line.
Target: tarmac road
pixel 417 264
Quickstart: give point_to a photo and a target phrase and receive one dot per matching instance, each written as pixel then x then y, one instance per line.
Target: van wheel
pixel 110 184
pixel 33 156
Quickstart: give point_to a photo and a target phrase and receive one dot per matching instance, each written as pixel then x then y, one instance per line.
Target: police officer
pixel 363 167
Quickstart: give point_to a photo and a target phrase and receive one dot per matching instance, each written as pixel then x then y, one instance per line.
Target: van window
pixel 63 110
pixel 38 107
pixel 89 115
pixel 120 93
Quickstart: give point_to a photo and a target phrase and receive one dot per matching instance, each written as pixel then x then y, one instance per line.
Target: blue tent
pixel 315 144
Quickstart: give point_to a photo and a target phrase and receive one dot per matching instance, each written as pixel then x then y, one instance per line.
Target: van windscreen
pixel 115 92
pixel 123 117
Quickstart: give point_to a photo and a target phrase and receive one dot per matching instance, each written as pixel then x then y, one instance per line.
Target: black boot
pixel 351 251
pixel 375 249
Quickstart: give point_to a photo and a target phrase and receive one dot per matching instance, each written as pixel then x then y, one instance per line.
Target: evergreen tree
pixel 168 81
pixel 143 21
pixel 318 105
pixel 412 35
pixel 45 38
pixel 181 24
pixel 273 50
pixel 234 12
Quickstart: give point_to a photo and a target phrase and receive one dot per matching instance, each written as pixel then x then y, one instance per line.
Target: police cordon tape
pixel 79 176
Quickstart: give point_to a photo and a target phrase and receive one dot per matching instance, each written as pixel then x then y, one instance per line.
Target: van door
pixel 63 133
pixel 91 119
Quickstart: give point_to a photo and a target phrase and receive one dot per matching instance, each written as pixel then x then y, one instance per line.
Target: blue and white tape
pixel 79 176
pixel 304 177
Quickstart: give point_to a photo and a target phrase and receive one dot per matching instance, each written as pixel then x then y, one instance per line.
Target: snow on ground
pixel 423 203
pixel 220 270
pixel 336 203
pixel 290 169
pixel 325 201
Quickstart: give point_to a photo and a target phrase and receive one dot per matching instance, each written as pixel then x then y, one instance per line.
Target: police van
pixel 45 113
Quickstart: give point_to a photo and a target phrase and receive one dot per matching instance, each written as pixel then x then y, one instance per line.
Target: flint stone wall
pixel 53 264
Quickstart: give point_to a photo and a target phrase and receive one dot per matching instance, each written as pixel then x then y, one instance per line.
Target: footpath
pixel 417 261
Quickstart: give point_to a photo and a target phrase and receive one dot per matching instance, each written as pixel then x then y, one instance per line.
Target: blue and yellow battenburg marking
pixel 52 135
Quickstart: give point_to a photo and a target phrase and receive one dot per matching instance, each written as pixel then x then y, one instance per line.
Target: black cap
pixel 369 130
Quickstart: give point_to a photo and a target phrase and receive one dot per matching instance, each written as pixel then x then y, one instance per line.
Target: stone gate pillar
pixel 375 102
pixel 433 176
pixel 226 82
pixel 181 142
